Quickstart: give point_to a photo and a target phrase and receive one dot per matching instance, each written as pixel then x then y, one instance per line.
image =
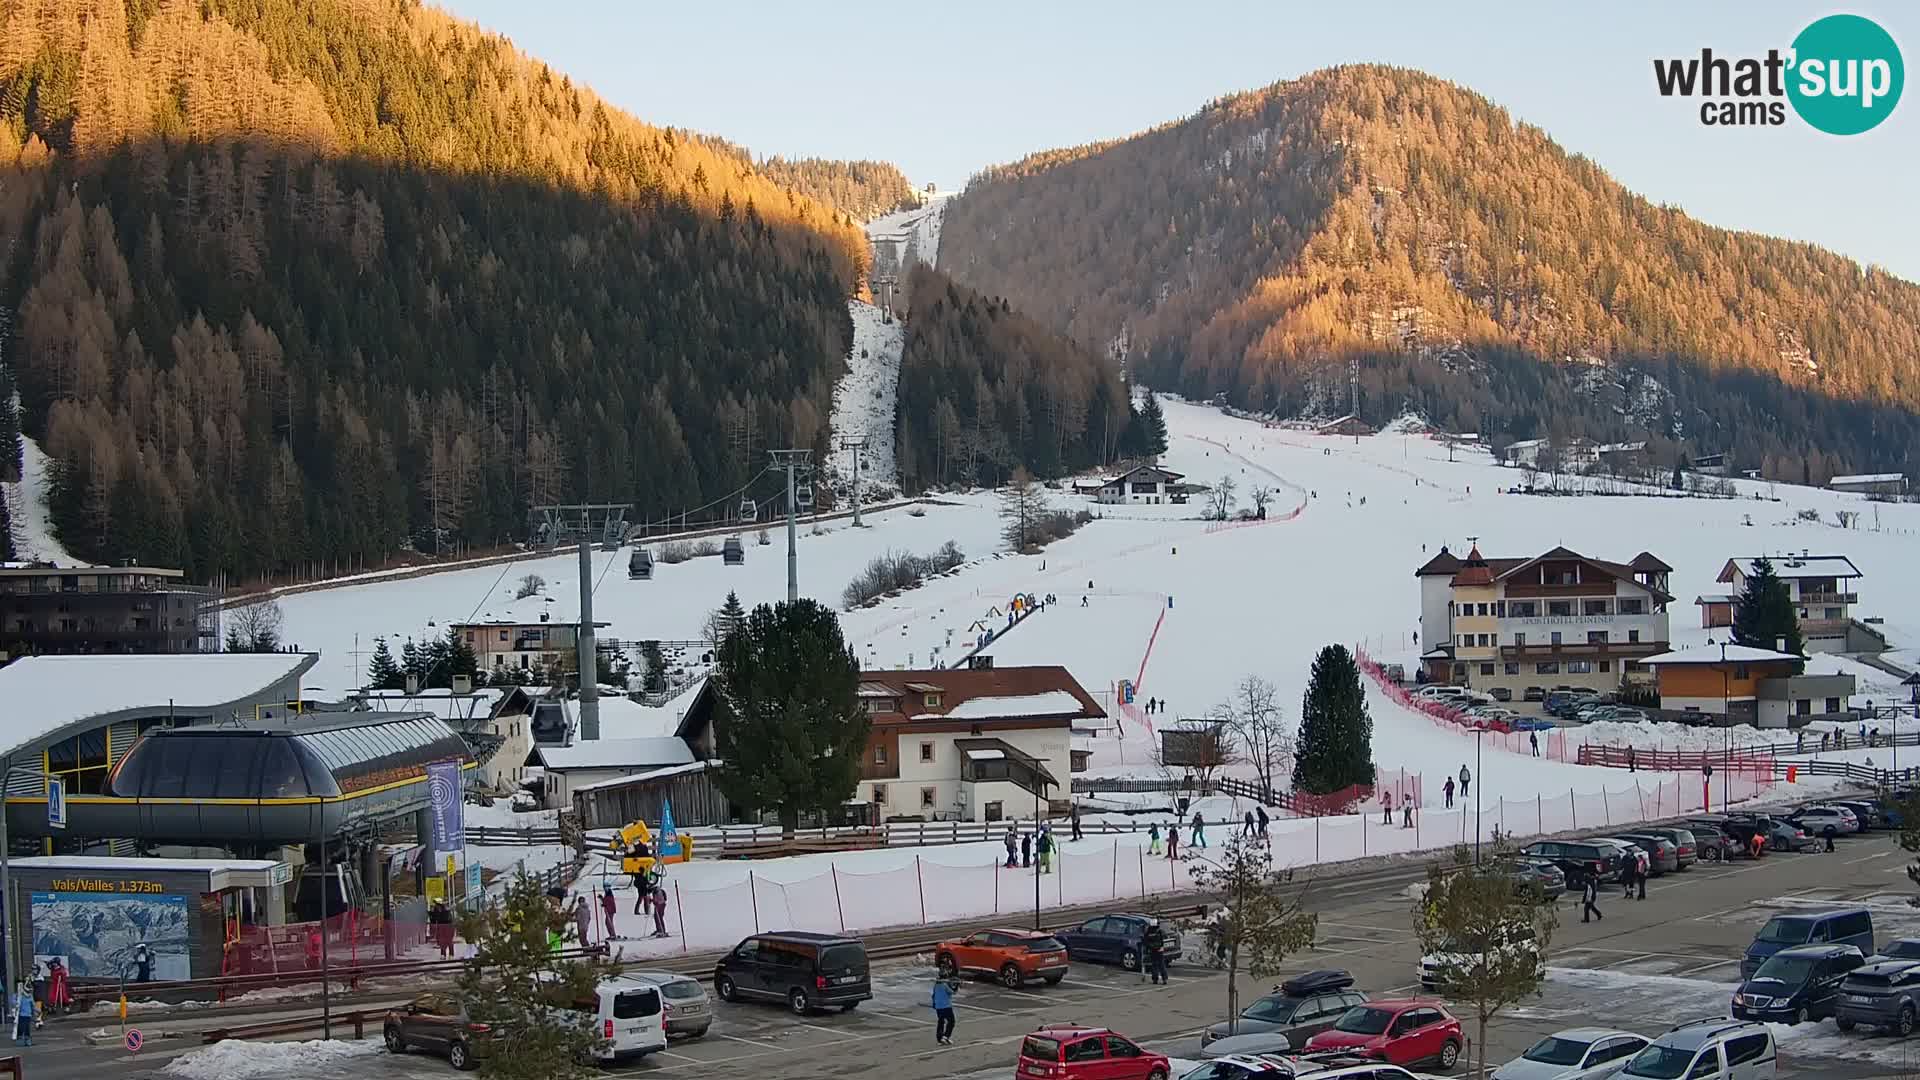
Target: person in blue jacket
pixel 23 1015
pixel 942 1003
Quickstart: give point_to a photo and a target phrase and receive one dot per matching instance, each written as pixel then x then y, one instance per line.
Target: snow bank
pixel 240 1059
pixel 1051 703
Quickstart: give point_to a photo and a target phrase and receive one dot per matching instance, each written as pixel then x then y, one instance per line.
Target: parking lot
pixel 1646 966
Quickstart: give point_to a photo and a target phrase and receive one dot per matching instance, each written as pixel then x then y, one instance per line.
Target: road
pixel 1644 967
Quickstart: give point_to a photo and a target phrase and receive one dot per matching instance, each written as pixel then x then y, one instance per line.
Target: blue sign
pixel 473 879
pixel 443 786
pixel 56 803
pixel 669 845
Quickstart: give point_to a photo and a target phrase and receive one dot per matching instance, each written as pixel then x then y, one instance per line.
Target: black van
pixel 1796 985
pixel 807 971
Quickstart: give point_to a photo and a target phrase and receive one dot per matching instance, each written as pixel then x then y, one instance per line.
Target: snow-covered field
pixel 863 400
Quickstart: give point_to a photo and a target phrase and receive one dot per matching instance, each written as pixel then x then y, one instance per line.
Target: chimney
pixel 1779 644
pixel 413 684
pixel 589 676
pixel 463 684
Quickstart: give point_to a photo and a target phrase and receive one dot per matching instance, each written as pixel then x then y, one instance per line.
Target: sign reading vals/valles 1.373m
pixel 105 885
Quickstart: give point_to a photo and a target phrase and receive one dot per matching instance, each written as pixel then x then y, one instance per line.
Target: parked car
pixel 1574 1054
pixel 628 1015
pixel 1711 1049
pixel 1014 957
pixel 1437 967
pixel 438 1022
pixel 807 971
pixel 1796 985
pixel 1846 926
pixel 1662 856
pixel 1640 856
pixel 1297 1010
pixel 1739 832
pixel 1328 1066
pixel 1501 693
pixel 1781 834
pixel 1867 813
pixel 1534 693
pixel 1403 1033
pixel 1883 995
pixel 1714 843
pixel 1539 874
pixel 688 1010
pixel 1578 857
pixel 1073 1052
pixel 1686 846
pixel 1117 938
pixel 1905 948
pixel 1815 820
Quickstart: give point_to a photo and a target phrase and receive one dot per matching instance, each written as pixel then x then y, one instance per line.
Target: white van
pixel 629 1015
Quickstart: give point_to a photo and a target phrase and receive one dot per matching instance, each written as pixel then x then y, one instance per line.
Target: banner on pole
pixel 669 845
pixel 443 787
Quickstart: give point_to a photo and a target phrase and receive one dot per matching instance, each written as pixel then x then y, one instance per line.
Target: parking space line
pixel 683 1057
pixel 1704 967
pixel 878 1015
pixel 1628 959
pixel 1864 858
pixel 984 1009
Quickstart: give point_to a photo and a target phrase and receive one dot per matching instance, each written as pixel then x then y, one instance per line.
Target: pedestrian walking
pixel 1466 780
pixel 941 1001
pixel 1247 829
pixel 1533 740
pixel 1386 808
pixel 582 919
pixel 1153 839
pixel 1199 831
pixel 1010 846
pixel 439 921
pixel 1446 791
pixel 1073 819
pixel 1631 760
pixel 1045 849
pixel 608 908
pixel 659 911
pixel 1827 835
pixel 1590 897
pixel 1026 849
pixel 1641 871
pixel 1261 811
pixel 23 1014
pixel 1154 943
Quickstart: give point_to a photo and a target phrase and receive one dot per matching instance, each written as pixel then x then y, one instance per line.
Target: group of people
pixel 1028 842
pixel 1407 802
pixel 49 991
pixel 1154 705
pixel 1199 836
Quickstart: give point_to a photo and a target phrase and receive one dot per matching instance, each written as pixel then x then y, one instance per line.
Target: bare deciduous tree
pixel 1261 495
pixel 530 585
pixel 1221 500
pixel 254 628
pixel 1254 717
pixel 1192 752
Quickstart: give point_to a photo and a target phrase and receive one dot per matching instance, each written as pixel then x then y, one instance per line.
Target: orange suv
pixel 1013 957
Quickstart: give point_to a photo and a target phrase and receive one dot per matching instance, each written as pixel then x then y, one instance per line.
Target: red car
pixel 1072 1052
pixel 1398 1032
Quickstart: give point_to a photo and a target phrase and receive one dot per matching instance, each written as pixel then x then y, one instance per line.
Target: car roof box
pixel 1316 982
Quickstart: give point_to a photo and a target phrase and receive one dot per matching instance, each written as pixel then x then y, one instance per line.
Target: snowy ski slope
pixel 863 400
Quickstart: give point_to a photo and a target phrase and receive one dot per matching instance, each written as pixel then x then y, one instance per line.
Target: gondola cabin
pixel 640 565
pixel 734 552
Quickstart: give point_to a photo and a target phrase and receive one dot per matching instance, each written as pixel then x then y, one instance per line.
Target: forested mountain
pixel 1481 275
pixel 307 280
pixel 984 388
pixel 862 189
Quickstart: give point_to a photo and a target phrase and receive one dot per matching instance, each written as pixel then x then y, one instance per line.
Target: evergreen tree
pixel 382 672
pixel 7 550
pixel 655 679
pixel 461 660
pixel 787 721
pixel 413 662
pixel 1763 614
pixel 1153 424
pixel 1336 732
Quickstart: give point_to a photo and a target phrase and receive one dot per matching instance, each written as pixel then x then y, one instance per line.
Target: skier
pixel 1173 839
pixel 1386 808
pixel 582 919
pixel 1073 819
pixel 1446 791
pixel 1247 828
pixel 59 988
pixel 1261 811
pixel 1153 839
pixel 23 1014
pixel 1199 830
pixel 941 1002
pixel 1010 854
pixel 659 911
pixel 1045 848
pixel 1466 778
pixel 608 908
pixel 1406 813
pixel 1026 849
pixel 1631 760
pixel 1800 741
pixel 1083 601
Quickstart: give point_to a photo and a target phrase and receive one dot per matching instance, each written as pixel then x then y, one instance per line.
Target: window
pixel 1633 635
pixel 503 635
pixel 1832 612
pixel 1483 608
pixel 1579 667
pixel 1085 1050
pixel 927 796
pixel 1486 669
pixel 1594 607
pixel 1524 609
pixel 1606 666
pixel 1803 707
pixel 1556 637
pixel 1633 605
pixel 933 701
pixel 1481 640
pixel 1520 640
pixel 1466 640
pixel 1121 1048
pixel 926 751
pixel 1559 607
pixel 1746 1048
pixel 879 794
pixel 1510 669
pixel 1459 671
pixel 1596 637
pixel 1833 704
pixel 879 755
pixel 1500 609
pixel 994 811
pixel 1739 671
pixel 1547 667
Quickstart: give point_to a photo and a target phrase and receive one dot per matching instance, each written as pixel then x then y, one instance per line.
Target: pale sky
pixel 942 90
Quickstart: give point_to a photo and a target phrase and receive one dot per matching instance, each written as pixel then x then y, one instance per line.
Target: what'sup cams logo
pixel 1842 75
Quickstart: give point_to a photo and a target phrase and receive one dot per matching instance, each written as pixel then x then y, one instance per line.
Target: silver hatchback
pixel 688 1009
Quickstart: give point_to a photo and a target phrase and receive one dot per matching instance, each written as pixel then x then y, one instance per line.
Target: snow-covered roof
pixel 1796 566
pixel 616 754
pixel 1621 447
pixel 1711 654
pixel 1714 598
pixel 626 719
pixel 650 774
pixel 110 863
pixel 46 695
pixel 1051 703
pixel 1869 478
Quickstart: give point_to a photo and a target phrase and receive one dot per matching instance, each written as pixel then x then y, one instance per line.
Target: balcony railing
pixel 1583 648
pixel 1829 598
